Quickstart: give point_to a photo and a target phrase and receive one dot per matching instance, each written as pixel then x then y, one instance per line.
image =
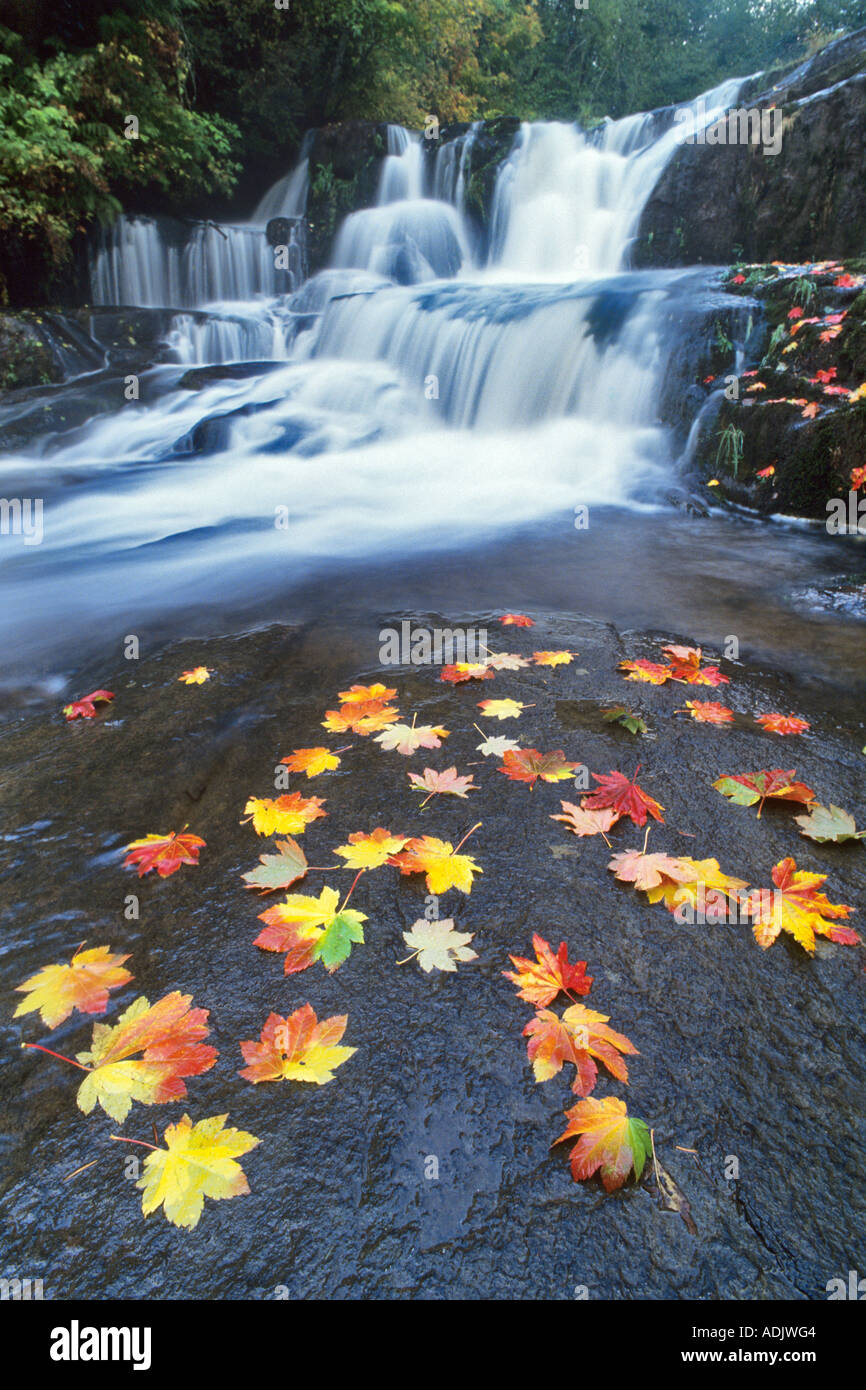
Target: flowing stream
pixel 423 400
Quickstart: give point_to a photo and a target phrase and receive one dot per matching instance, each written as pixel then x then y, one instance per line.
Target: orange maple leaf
pixel 782 723
pixel 516 620
pixel 709 712
pixel 578 1037
pixel 528 764
pixel 539 981
pixel 313 761
pixel 610 1143
pixel 361 717
pixel 798 907
pixel 297 1048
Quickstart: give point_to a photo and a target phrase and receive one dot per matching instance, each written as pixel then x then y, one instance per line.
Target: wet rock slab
pixel 747 1054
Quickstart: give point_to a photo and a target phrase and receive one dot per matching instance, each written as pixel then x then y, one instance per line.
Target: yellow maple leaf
pixel 370 851
pixel 283 815
pixel 553 658
pixel 437 859
pixel 56 990
pixel 501 709
pixel 197 676
pixel 197 1162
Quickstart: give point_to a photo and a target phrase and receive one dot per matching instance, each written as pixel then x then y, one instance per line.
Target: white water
pixel 428 394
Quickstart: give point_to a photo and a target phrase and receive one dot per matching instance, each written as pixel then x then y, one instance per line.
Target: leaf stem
pixel 58 1055
pixel 475 827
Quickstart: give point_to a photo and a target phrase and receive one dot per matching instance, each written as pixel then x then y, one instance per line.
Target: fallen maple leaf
pixel 507 661
pixel 799 908
pixel 278 870
pixel 578 1037
pixel 466 671
pixel 553 658
pixel 626 718
pixel 767 472
pixel 370 851
pixel 85 708
pixel 441 863
pixel 829 824
pixel 497 747
pixel 539 981
pixel 811 410
pixel 709 712
pixel 165 853
pixel 365 694
pixel 615 792
pixel 582 822
pixel 516 620
pixel 642 670
pixel 168 1034
pixel 686 667
pixel 744 789
pixel 610 1143
pixel 197 1162
pixel 283 815
pixel 528 764
pixel 83 984
pixel 647 871
pixel 501 709
pixel 782 723
pixel 197 676
pixel 360 717
pixel 406 738
pixel 297 1048
pixel 796 313
pixel 442 783
pixel 313 761
pixel 696 878
pixel 437 946
pixel 858 475
pixel 311 929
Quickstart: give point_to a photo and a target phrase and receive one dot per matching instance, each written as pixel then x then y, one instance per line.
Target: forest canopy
pixel 222 90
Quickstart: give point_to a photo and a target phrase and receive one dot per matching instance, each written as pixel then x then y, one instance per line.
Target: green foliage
pixel 65 160
pixel 212 81
pixel 730 450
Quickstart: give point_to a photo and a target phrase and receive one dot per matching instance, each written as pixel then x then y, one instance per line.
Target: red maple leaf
pixel 626 798
pixel 85 708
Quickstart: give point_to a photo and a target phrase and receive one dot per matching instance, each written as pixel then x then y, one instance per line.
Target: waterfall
pixel 147 262
pixel 420 392
pixel 568 203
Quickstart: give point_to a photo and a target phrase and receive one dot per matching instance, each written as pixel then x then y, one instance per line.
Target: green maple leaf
pixel 335 943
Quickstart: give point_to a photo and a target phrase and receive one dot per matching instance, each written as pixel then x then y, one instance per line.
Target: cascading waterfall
pixel 421 391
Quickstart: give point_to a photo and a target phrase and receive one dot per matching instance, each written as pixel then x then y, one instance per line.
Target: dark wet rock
pixel 744 1054
pixel 213 434
pixel 491 145
pixel 812 459
pixel 686 502
pixel 345 166
pixel 198 377
pixel 806 202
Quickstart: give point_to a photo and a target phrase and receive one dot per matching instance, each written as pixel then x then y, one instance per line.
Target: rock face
pixel 345 165
pixel 719 203
pixel 796 432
